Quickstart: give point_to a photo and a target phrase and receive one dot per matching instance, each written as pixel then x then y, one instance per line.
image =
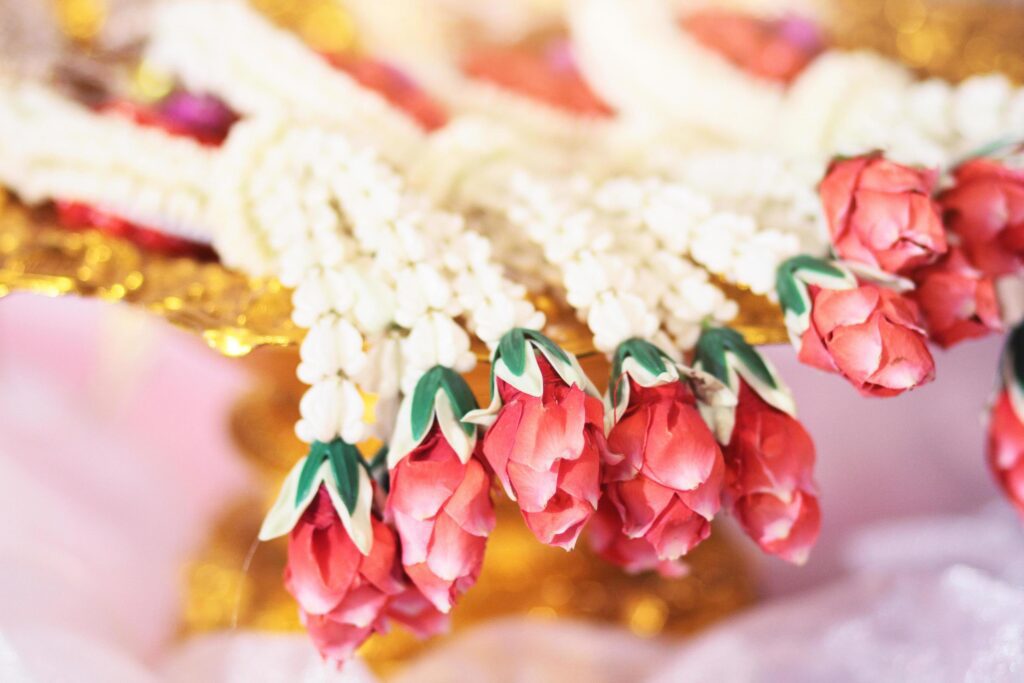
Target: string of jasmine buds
pixel 370 261
pixel 53 148
pixel 619 260
pixel 229 49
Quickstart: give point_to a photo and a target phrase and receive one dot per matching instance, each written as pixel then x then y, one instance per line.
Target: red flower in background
pixel 769 483
pixel 957 300
pixel 395 86
pixel 443 513
pixel 870 335
pixel 776 50
pixel 549 76
pixel 664 470
pixel 985 208
pixel 881 213
pixel 546 452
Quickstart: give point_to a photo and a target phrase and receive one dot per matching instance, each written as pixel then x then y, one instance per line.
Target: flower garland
pixel 140 174
pixel 843 102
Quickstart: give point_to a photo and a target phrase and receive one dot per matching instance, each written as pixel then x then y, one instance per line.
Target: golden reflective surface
pixel 948 38
pixel 231 312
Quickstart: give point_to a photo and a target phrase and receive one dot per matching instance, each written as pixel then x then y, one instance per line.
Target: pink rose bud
pixel 413 610
pixel 869 334
pixel 545 437
pixel 985 208
pixel 882 214
pixel 770 486
pixel 1006 448
pixel 635 555
pixel 1005 425
pixel 663 470
pixel 440 497
pixel 342 594
pixel 957 300
pixel 769 457
pixel 443 514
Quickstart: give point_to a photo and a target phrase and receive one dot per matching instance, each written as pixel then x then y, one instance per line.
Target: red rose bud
pixel 1005 426
pixel 635 555
pixel 663 468
pixel 545 438
pixel 957 300
pixel 443 514
pixel 985 208
pixel 440 495
pixel 342 594
pixel 881 213
pixel 770 486
pixel 769 457
pixel 1006 448
pixel 871 335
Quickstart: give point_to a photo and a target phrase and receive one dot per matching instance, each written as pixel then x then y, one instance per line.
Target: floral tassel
pixel 544 439
pixel 1006 424
pixel 769 456
pixel 341 559
pixel 663 469
pixel 866 332
pixel 440 493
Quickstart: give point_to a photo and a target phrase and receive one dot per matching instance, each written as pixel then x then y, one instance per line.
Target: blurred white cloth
pixel 103 497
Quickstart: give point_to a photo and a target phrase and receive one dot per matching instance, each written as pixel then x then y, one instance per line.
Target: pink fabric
pixel 104 494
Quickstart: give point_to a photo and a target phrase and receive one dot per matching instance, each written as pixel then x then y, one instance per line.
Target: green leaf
pixel 460 395
pixel 650 357
pixel 422 412
pixel 317 453
pixel 512 350
pixel 423 397
pixel 1015 347
pixel 548 345
pixel 345 461
pixel 716 342
pixel 791 290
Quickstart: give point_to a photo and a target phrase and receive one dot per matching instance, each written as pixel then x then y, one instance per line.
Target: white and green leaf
pixel 792 280
pixel 441 395
pixel 335 466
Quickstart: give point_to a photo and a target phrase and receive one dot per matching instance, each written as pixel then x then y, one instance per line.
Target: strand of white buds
pixel 780 194
pixel 370 261
pixel 619 288
pixel 53 148
pixel 608 253
pixel 272 208
pixel 227 48
pixel 681 223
